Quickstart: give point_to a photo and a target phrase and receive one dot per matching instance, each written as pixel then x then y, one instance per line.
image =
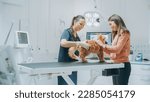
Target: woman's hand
pixel 83 44
pixel 100 43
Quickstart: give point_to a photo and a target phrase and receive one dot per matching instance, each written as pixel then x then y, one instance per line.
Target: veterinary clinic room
pixel 74 42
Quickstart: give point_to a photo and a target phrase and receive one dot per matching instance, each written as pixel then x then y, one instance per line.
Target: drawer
pixel 139 80
pixel 140 70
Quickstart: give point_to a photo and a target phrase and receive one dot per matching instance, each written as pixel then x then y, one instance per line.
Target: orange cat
pixel 94 48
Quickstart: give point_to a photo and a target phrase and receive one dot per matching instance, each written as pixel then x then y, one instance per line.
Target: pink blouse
pixel 120 49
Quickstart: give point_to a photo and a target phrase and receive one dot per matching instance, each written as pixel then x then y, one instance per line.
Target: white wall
pixel 1 34
pixel 59 19
pixel 48 19
pixel 0 22
pixel 38 25
pixel 12 12
pixel 137 18
pixel 149 26
pixel 149 19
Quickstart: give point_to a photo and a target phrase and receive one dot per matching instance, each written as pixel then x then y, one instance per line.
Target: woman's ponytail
pixel 76 19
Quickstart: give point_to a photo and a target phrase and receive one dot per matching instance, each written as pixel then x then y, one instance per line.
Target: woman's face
pixel 113 26
pixel 79 25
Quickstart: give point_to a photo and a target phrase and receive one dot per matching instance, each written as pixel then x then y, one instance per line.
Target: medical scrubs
pixel 64 57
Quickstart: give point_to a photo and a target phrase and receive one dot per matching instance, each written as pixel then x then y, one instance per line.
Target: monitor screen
pixel 22 39
pixel 93 36
pixel 22 36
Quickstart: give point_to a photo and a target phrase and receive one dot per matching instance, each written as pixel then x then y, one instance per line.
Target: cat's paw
pixel 101 61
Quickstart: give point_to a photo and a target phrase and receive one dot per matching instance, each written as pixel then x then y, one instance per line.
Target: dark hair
pixel 76 19
pixel 119 22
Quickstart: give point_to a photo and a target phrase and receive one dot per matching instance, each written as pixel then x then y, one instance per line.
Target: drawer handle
pixel 147 80
pixel 147 69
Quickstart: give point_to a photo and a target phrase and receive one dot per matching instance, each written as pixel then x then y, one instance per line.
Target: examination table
pixel 55 69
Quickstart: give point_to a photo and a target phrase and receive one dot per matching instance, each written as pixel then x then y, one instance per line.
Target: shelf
pixel 141 63
pixel 13 2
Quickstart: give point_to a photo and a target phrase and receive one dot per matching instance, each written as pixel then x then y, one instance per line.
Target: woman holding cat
pixel 70 38
pixel 120 49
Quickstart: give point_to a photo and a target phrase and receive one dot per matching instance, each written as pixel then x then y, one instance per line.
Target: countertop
pixel 141 63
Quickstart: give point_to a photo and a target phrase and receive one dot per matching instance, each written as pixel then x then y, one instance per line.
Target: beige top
pixel 120 49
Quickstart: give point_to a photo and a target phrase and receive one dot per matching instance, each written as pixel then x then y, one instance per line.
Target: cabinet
pixel 140 73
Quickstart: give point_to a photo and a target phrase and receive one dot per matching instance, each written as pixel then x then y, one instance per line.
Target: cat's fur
pixel 94 48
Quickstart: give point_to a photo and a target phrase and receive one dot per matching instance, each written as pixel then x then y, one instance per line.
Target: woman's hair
pixel 76 19
pixel 120 24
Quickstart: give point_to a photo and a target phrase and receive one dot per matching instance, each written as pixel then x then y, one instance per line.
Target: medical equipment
pixel 22 51
pixel 10 56
pixel 95 16
pixel 21 39
pixel 22 47
pixel 7 71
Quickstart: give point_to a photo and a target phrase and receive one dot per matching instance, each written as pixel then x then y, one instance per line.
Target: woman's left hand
pixel 83 44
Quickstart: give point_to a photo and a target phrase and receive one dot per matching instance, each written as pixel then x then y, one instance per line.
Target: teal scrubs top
pixel 63 52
